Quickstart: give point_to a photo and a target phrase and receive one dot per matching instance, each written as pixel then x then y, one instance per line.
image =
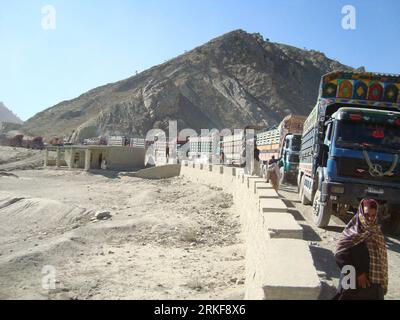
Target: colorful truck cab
pixel 351 146
pixel 283 143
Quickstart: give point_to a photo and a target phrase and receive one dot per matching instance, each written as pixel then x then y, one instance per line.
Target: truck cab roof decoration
pixel 362 88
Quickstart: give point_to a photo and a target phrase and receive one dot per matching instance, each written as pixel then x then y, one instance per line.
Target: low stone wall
pixel 160 172
pixel 279 264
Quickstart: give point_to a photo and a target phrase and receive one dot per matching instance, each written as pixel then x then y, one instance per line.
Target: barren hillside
pixel 229 82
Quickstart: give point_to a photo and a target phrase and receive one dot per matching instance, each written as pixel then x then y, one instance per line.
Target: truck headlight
pixel 337 189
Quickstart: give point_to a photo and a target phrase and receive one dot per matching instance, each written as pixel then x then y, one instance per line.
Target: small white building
pixel 116 158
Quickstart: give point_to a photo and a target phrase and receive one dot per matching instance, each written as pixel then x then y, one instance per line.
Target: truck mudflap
pixel 352 193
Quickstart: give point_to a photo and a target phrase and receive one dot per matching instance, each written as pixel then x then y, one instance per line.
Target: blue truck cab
pixel 289 161
pixel 351 147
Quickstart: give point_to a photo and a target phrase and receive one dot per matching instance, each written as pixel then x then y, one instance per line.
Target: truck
pixel 204 149
pixel 56 142
pixel 351 146
pixel 15 140
pixel 283 143
pixel 233 149
pixel 33 142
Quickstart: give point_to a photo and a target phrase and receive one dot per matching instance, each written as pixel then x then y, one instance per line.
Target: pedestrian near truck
pixel 363 247
pixel 273 173
pixel 257 167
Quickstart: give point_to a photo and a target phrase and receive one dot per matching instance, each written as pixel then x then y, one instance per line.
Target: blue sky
pixel 97 42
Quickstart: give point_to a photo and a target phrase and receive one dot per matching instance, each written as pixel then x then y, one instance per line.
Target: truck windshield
pixel 296 143
pixel 353 134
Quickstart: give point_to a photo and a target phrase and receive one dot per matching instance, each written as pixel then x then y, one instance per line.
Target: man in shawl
pixel 273 173
pixel 363 247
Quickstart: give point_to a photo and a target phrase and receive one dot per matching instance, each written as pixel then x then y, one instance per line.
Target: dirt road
pixel 323 242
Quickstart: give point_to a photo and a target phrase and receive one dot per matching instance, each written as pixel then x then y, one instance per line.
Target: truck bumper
pixel 352 193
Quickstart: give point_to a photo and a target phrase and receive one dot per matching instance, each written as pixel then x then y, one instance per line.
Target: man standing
pixel 256 169
pixel 273 173
pixel 363 247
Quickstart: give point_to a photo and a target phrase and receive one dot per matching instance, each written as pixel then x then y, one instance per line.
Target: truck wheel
pixel 392 225
pixel 302 197
pixel 321 212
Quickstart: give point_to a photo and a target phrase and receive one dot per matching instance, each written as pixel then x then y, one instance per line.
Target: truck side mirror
pixel 324 154
pixel 324 149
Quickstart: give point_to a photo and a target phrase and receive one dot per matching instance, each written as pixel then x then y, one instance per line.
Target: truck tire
pixel 321 212
pixel 302 197
pixel 392 226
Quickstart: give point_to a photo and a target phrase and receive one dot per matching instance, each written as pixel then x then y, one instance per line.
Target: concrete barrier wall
pixel 125 158
pixel 159 172
pixel 279 264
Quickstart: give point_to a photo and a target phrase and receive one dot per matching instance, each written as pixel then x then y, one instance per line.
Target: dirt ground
pixel 323 243
pixel 166 239
pixel 20 158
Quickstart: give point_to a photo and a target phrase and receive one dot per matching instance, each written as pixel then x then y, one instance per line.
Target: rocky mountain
pixel 6 115
pixel 235 80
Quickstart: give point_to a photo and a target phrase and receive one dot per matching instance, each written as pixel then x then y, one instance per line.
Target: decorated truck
pixel 283 143
pixel 203 149
pixel 233 149
pixel 33 142
pixel 351 146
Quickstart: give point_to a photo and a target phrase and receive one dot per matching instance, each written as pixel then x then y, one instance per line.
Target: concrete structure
pixel 279 264
pixel 159 172
pixel 97 157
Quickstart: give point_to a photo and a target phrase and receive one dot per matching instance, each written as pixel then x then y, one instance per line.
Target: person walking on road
pixel 363 247
pixel 273 173
pixel 257 167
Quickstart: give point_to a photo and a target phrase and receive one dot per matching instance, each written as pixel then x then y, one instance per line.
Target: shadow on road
pixel 289 203
pixel 288 188
pixel 325 263
pixel 309 234
pixel 337 229
pixel 327 291
pixel 296 214
pixel 393 245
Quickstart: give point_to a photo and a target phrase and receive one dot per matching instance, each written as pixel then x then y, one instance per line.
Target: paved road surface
pixel 323 241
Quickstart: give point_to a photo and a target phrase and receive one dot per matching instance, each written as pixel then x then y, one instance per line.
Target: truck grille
pixel 358 168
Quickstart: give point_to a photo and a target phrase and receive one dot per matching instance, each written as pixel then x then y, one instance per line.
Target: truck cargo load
pixel 283 143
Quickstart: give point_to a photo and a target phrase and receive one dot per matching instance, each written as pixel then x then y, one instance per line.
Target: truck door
pixel 326 146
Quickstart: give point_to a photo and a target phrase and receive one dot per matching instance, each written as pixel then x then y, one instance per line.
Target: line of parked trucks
pixel 347 149
pixel 20 141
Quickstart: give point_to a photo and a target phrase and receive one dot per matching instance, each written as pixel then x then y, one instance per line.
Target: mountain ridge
pixel 6 115
pixel 232 81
